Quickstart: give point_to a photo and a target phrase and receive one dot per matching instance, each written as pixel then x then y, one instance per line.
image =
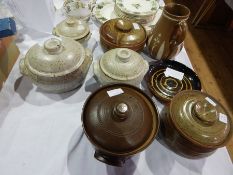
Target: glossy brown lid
pixel 123 32
pixel 201 119
pixel 120 119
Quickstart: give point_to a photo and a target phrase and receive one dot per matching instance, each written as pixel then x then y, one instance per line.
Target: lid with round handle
pixel 200 118
pixel 72 28
pixel 122 32
pixel 123 64
pixel 55 57
pixel 121 114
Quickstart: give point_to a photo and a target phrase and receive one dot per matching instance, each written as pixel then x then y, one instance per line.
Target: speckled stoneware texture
pixel 75 29
pixel 121 65
pixel 58 65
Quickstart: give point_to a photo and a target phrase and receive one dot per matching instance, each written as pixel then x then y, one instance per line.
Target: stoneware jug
pixel 168 35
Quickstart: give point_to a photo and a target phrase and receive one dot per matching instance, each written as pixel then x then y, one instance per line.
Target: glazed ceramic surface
pixel 73 28
pixel 122 33
pixel 78 8
pixel 58 65
pixel 195 124
pixel 104 11
pixel 138 10
pixel 121 66
pixel 169 32
pixel 120 121
pixel 164 82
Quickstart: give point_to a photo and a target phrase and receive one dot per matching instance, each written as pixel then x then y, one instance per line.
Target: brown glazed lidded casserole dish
pixel 122 33
pixel 120 121
pixel 195 124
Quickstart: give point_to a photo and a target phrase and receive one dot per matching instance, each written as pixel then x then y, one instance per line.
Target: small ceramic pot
pixel 75 29
pixel 194 125
pixel 57 66
pixel 121 66
pixel 122 33
pixel 119 120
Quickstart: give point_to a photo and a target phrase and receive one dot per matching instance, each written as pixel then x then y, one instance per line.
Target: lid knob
pixel 123 55
pixel 120 111
pixel 205 112
pixel 70 21
pixel 53 45
pixel 124 25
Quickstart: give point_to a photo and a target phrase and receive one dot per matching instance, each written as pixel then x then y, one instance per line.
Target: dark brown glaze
pixel 165 88
pixel 169 33
pixel 119 126
pixel 122 33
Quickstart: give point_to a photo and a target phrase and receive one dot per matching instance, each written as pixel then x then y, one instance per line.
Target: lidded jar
pixel 121 65
pixel 57 66
pixel 195 124
pixel 119 120
pixel 75 29
pixel 122 33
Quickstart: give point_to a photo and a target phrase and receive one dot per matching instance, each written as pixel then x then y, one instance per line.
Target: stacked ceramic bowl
pixel 141 11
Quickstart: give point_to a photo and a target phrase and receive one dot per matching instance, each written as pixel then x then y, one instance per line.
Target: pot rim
pixel 228 138
pixel 148 142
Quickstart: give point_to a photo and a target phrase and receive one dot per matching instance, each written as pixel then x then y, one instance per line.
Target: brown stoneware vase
pixel 119 120
pixel 167 38
pixel 194 125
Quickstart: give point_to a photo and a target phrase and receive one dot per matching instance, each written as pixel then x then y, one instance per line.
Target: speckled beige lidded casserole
pixel 75 29
pixel 121 65
pixel 59 65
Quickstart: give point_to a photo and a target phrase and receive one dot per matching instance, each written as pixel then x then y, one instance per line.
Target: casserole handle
pixel 22 67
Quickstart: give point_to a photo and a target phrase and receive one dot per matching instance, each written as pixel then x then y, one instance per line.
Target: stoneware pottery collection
pixel 122 33
pixel 164 85
pixel 57 66
pixel 75 29
pixel 119 120
pixel 121 66
pixel 169 33
pixel 195 124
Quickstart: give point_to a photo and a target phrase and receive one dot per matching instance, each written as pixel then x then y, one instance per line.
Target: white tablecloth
pixel 41 133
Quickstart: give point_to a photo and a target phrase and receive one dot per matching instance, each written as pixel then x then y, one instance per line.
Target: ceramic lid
pixel 55 56
pixel 123 32
pixel 123 64
pixel 72 28
pixel 200 119
pixel 120 119
pixel 138 7
pixel 166 78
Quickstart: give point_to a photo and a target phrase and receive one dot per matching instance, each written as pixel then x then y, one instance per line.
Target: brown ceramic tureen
pixel 122 33
pixel 195 124
pixel 57 65
pixel 120 121
pixel 75 29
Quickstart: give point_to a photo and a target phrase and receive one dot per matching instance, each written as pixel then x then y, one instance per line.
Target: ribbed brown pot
pixel 193 125
pixel 168 35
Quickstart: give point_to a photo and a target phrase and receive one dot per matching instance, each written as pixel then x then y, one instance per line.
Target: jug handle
pixel 177 36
